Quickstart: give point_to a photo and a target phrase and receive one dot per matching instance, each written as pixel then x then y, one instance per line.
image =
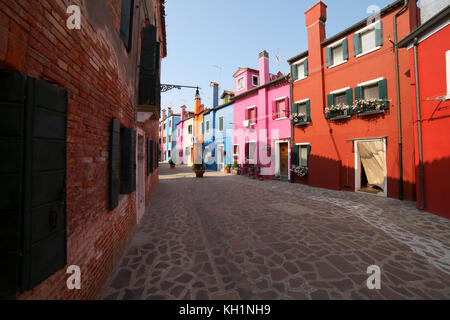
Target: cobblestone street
pixel 230 237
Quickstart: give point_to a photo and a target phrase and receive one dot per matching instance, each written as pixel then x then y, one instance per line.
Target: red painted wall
pixel 332 159
pixel 435 121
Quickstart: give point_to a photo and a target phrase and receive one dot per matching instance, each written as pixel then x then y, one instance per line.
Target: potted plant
pixel 235 168
pixel 227 168
pixel 338 110
pixel 172 164
pixel 259 171
pixel 199 170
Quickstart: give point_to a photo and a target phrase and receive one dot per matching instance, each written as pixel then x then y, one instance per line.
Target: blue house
pixel 168 128
pixel 218 131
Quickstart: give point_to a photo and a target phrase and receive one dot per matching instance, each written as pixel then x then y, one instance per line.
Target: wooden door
pixel 284 158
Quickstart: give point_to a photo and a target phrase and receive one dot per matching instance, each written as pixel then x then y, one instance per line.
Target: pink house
pixel 262 125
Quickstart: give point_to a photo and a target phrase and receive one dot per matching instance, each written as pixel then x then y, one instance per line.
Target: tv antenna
pixel 278 59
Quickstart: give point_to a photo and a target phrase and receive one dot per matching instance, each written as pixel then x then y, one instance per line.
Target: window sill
pixel 300 79
pixel 340 117
pixel 337 64
pixel 300 124
pixel 369 113
pixel 284 118
pixel 367 52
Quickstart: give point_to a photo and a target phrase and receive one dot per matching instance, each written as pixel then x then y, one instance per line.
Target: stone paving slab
pixel 230 237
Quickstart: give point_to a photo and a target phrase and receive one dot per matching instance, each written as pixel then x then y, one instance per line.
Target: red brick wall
pixel 99 75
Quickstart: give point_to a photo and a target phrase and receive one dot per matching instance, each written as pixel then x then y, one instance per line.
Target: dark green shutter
pixel 329 57
pixel 379 34
pixel 12 110
pixel 308 147
pixel 149 85
pixel 358 93
pixel 114 165
pixel 345 49
pixel 127 161
pixel 357 49
pixel 349 96
pixel 295 108
pixel 295 156
pixel 305 65
pixel 126 23
pixel 383 94
pixel 330 102
pixel 44 192
pixel 294 72
pixel 308 111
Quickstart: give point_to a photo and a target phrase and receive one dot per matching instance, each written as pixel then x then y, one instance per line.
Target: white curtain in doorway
pixel 373 159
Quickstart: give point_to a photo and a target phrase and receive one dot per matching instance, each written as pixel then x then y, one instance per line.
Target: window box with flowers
pixel 300 171
pixel 339 111
pixel 369 107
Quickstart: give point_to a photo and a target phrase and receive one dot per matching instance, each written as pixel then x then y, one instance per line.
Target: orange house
pixel 355 126
pixel 197 155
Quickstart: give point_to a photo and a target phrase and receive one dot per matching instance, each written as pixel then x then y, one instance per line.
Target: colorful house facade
pixel 186 141
pixel 218 131
pixel 261 115
pixel 168 127
pixel 429 50
pixel 353 128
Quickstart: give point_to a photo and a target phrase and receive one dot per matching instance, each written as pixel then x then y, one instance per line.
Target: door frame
pixel 358 166
pixel 139 214
pixel 223 156
pixel 278 158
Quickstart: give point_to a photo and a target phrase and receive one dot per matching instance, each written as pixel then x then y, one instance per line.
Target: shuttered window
pixel 300 70
pixel 368 40
pixel 126 23
pixel 376 90
pixel 33 116
pixel 149 80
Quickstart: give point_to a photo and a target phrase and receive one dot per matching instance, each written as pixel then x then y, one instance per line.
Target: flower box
pixel 370 106
pixel 340 111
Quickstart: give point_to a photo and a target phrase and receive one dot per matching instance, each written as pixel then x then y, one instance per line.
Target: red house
pixel 429 50
pixel 354 125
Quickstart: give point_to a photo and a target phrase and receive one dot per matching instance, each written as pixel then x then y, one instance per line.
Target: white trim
pixel 370 26
pixel 300 61
pixel 252 107
pixel 252 141
pixel 223 157
pixel 301 79
pixel 367 52
pixel 337 43
pixel 302 101
pixel 370 82
pixel 337 64
pixel 278 159
pixel 279 99
pixel 237 84
pixel 447 59
pixel 235 154
pixel 253 77
pixel 430 33
pixel 303 144
pixel 284 118
pixel 339 90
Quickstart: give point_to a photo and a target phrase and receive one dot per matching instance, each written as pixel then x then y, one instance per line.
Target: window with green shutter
pixel 372 96
pixel 368 40
pixel 33 122
pixel 337 54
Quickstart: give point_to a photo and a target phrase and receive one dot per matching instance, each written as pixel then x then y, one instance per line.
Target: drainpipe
pixel 419 126
pixel 291 93
pixel 399 111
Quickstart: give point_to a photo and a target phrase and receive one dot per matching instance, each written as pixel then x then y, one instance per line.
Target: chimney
pixel 198 102
pixel 264 74
pixel 164 114
pixel 316 17
pixel 215 87
pixel 170 111
pixel 183 113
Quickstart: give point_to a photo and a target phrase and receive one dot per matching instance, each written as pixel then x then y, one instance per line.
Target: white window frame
pixel 334 45
pixel 243 83
pixel 447 59
pixel 340 90
pixel 296 65
pixel 223 124
pixel 368 83
pixel 253 80
pixel 302 145
pixel 367 28
pixel 253 161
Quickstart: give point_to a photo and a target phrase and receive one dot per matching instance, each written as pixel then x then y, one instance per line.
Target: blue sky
pixel 208 40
